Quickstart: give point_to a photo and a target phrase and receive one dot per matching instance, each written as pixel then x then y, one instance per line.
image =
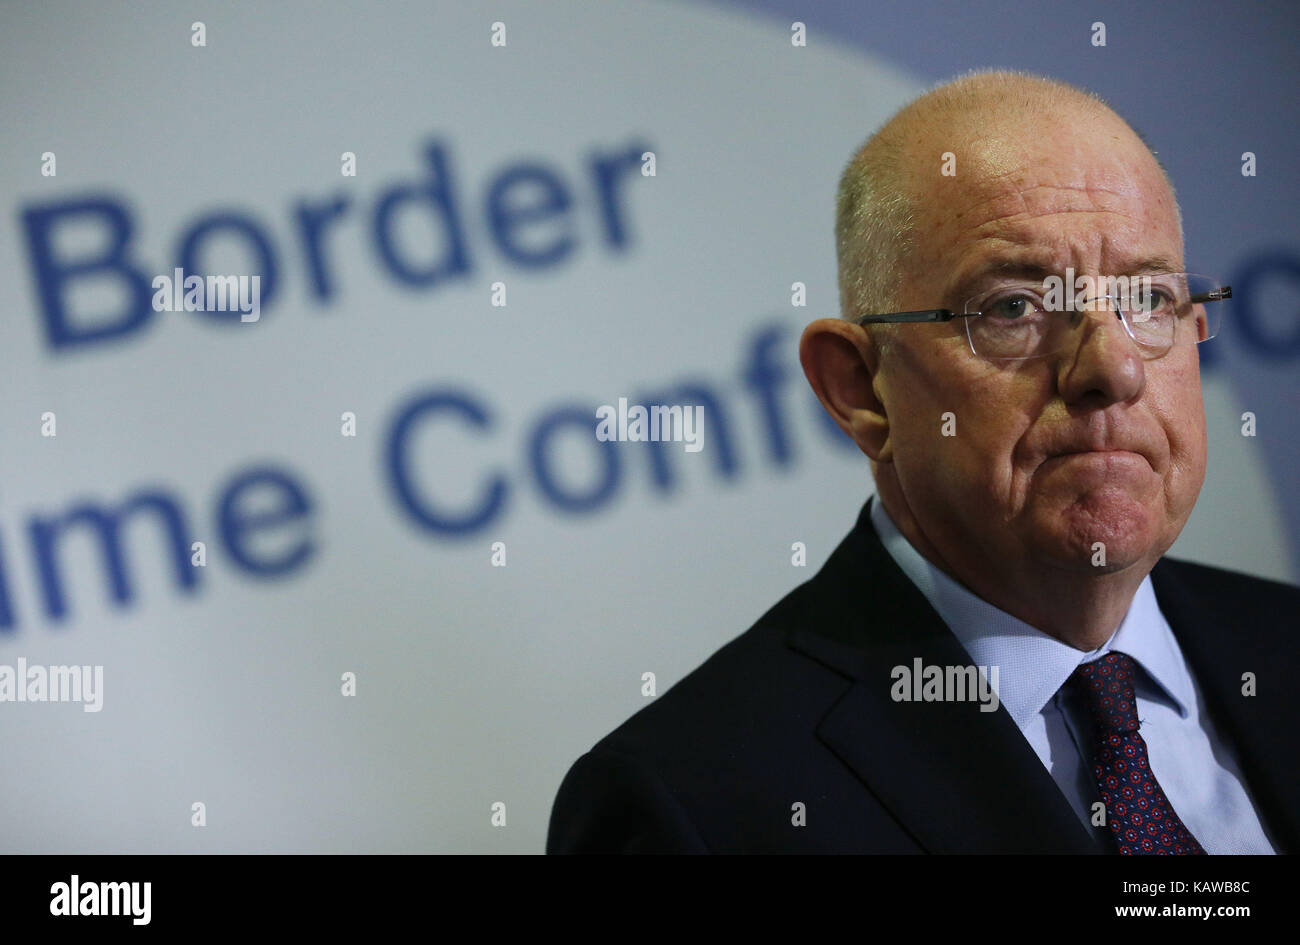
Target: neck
pixel 1080 608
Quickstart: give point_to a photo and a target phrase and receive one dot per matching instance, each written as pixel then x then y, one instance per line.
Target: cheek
pixel 963 420
pixel 1187 458
pixel 964 434
pixel 1188 437
pixel 1002 409
pixel 1177 397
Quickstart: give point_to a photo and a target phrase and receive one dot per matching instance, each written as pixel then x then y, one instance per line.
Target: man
pixel 996 659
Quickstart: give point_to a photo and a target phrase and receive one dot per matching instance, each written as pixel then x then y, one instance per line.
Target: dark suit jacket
pixel 798 709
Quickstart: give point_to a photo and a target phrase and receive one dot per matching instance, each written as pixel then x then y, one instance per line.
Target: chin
pixel 1104 530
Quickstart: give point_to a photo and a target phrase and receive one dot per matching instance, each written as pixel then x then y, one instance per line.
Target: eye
pixel 1011 307
pixel 1154 302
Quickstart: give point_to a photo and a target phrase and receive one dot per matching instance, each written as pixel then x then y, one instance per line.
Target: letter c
pixel 421 511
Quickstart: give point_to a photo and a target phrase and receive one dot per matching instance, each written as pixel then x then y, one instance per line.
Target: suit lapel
pixel 959 780
pixel 1225 634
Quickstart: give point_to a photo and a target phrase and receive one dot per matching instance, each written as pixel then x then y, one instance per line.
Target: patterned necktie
pixel 1141 819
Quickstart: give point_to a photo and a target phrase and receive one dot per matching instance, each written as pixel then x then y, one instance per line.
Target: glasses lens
pixel 1030 320
pixel 1010 323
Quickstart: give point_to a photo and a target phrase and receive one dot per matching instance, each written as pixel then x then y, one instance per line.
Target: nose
pixel 1105 365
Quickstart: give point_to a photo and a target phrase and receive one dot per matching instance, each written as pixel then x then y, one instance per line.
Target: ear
pixel 841 362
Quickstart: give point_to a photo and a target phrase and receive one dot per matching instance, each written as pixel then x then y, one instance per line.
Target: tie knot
pixel 1107 685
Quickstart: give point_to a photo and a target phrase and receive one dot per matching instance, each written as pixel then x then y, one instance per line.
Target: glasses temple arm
pixel 927 315
pixel 1214 295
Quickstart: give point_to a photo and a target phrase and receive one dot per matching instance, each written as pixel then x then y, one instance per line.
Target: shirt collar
pixel 1032 666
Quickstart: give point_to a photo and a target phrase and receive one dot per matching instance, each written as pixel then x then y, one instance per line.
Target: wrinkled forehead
pixel 1080 181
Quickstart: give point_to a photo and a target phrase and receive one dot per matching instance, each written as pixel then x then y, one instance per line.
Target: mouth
pixel 1094 453
pixel 1114 458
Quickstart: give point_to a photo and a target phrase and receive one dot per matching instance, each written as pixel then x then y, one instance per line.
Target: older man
pixel 996 659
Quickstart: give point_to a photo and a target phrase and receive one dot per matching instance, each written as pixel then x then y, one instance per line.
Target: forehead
pixel 1065 193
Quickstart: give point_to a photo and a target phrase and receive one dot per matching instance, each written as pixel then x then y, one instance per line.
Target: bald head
pixel 894 185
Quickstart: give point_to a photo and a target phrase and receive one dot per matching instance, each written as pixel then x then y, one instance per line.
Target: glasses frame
pixel 946 315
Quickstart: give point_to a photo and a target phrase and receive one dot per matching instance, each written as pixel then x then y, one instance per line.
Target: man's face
pixel 1098 443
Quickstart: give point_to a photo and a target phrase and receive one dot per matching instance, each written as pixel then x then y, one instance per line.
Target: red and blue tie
pixel 1140 817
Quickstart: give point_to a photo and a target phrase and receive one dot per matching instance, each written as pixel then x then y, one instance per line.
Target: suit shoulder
pixel 749 697
pixel 752 670
pixel 1211 581
pixel 611 802
pixel 1263 613
pixel 674 775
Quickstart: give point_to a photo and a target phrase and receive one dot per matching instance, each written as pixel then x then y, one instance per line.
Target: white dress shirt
pixel 1195 767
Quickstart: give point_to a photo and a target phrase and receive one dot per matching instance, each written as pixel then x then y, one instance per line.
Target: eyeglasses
pixel 1017 321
